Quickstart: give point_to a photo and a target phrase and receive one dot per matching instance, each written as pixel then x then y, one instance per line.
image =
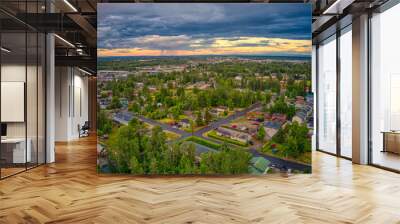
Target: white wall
pixel 12 73
pixel 71 94
pixel 33 126
pixel 62 81
pixel 80 110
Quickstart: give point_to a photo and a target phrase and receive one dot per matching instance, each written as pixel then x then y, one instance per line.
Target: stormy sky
pixel 151 29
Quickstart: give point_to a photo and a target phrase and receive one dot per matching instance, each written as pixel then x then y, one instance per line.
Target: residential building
pixel 185 123
pixel 279 117
pixel 233 134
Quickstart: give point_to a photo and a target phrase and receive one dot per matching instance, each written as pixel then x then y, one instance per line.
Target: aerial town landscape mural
pixel 204 89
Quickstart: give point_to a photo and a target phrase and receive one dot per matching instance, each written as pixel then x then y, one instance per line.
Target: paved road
pixel 216 124
pixel 163 126
pixel 125 117
pixel 281 163
pixel 277 162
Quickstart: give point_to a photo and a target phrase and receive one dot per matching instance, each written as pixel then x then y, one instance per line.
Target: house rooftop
pixel 273 124
pixel 185 121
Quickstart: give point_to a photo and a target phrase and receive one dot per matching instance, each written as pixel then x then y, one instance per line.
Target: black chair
pixel 84 130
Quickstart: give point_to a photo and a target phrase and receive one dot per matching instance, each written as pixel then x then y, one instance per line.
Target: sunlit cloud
pixel 154 45
pixel 195 29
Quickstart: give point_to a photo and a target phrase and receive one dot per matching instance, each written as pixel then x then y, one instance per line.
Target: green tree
pixel 104 124
pixel 199 119
pixel 293 139
pixel 176 111
pixel 115 103
pixel 267 98
pixel 124 144
pixel 261 132
pixel 135 166
pixel 153 167
pixel 207 116
pixel 157 141
pixel 103 94
pixel 225 161
pixel 187 163
pixel 180 92
pixel 202 99
pixel 280 106
pixel 192 125
pixel 134 107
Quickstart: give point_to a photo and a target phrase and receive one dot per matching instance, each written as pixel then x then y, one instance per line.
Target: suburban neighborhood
pixel 245 103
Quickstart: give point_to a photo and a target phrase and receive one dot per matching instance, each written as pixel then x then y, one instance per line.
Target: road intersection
pixel 125 117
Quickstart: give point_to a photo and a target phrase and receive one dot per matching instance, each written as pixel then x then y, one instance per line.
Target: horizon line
pixel 214 55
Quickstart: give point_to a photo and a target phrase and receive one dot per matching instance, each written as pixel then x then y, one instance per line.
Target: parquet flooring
pixel 70 191
pixel 11 170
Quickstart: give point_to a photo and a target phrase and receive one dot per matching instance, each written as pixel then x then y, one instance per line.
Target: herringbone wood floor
pixel 70 191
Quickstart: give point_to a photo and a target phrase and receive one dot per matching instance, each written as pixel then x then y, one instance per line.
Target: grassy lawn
pixel 166 120
pixel 304 158
pixel 147 125
pixel 171 135
pixel 213 134
pixel 194 129
pixel 183 116
pixel 203 142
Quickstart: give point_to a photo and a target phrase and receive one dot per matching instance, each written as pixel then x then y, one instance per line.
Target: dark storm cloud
pixel 126 25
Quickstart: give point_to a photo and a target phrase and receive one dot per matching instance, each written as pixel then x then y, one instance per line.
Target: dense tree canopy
pixel 256 83
pixel 197 91
pixel 104 124
pixel 133 150
pixel 293 139
pixel 280 106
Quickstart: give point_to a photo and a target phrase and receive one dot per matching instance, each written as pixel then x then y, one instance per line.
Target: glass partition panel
pixel 41 98
pixel 14 153
pixel 22 107
pixel 327 95
pixel 314 88
pixel 385 89
pixel 346 92
pixel 31 98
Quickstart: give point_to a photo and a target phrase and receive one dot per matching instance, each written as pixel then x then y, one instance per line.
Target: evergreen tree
pixel 135 166
pixel 104 124
pixel 153 168
pixel 192 125
pixel 115 103
pixel 207 116
pixel 199 119
pixel 261 132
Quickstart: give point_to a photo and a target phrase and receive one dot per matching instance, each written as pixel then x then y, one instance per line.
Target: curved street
pixel 125 117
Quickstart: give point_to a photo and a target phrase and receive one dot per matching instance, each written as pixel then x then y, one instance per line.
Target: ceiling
pixel 330 13
pixel 75 21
